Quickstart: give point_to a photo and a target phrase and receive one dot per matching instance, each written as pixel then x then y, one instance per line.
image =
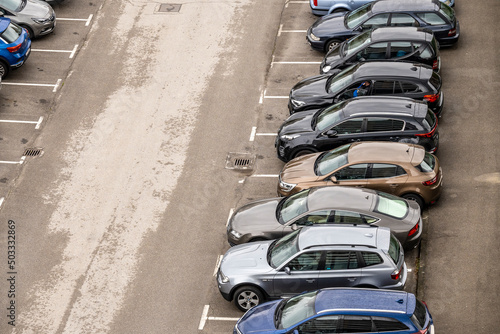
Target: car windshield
pixel 332 160
pixel 296 309
pixel 435 81
pixel 341 80
pixel 448 12
pixel 329 116
pixel 357 16
pixel 282 249
pixel 293 206
pixel 355 43
pixel 13 5
pixel 391 206
pixel 12 33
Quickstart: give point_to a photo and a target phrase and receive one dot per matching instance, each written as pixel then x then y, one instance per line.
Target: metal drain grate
pixel 169 8
pixel 240 161
pixel 33 152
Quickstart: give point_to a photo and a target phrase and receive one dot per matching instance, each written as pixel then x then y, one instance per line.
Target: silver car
pixel 311 258
pixel 37 17
pixel 275 217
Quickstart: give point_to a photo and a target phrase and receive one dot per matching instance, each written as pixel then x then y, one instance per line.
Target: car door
pixel 322 324
pixel 403 20
pixel 343 133
pixel 341 269
pixel 351 218
pixel 373 52
pixel 310 218
pixel 411 89
pixel 383 129
pixel 301 275
pixel 379 20
pixel 385 87
pixel 389 178
pixel 401 50
pixel 351 175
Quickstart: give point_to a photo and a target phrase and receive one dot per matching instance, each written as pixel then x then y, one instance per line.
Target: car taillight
pixel 435 64
pixel 396 274
pixel 422 331
pixel 16 48
pixel 431 97
pixel 431 181
pixel 315 2
pixel 413 230
pixel 452 32
pixel 428 134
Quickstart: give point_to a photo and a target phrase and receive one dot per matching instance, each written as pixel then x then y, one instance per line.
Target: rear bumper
pixel 449 41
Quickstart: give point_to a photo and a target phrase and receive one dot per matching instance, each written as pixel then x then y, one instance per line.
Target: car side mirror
pixel 331 133
pixel 360 28
pixel 287 271
pixel 333 179
pixel 294 227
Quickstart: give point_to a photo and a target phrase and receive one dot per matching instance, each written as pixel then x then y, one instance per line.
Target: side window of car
pixel 386 170
pixel 349 126
pixel 305 262
pixel 432 19
pixel 326 324
pixel 316 217
pixel 403 20
pixel 379 124
pixel 383 87
pixel 410 87
pixel 400 49
pixel 347 217
pixel 341 260
pixel 353 172
pixel 371 259
pixel 425 52
pixel 374 51
pixel 383 324
pixel 376 21
pixel 356 324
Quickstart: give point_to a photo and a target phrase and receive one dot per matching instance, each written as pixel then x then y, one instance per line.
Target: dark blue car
pixel 338 310
pixel 15 46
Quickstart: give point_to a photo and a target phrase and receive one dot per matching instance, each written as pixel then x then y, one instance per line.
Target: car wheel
pixel 4 69
pixel 416 198
pixel 339 10
pixel 247 297
pixel 302 152
pixel 331 44
pixel 29 30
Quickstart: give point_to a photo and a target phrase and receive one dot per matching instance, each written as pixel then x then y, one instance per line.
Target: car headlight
pixel 289 137
pixel 326 68
pixel 223 278
pixel 41 21
pixel 235 234
pixel 297 103
pixel 287 186
pixel 313 37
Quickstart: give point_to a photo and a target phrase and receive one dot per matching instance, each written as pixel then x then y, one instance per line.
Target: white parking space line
pixel 71 52
pixel 205 317
pixel 14 162
pixel 1 201
pixel 87 20
pixel 265 175
pixel 297 62
pixel 56 86
pixel 266 134
pixel 275 97
pixel 229 216
pixel 24 122
pixel 217 264
pixel 252 134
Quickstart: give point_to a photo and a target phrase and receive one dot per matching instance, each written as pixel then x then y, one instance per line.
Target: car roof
pixel 392 69
pixel 383 105
pixel 382 6
pixel 400 33
pixel 337 235
pixel 4 23
pixel 385 152
pixel 341 198
pixel 371 300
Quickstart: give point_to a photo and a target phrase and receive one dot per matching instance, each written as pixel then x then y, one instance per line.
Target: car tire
pixel 302 152
pixel 416 198
pixel 339 10
pixel 29 30
pixel 247 297
pixel 331 44
pixel 366 286
pixel 4 69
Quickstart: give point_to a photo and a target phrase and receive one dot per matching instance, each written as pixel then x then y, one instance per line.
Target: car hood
pixel 256 216
pixel 259 319
pixel 36 9
pixel 300 169
pixel 298 124
pixel 333 57
pixel 310 88
pixel 330 25
pixel 246 259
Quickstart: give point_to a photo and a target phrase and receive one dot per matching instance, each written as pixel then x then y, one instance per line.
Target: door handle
pixel 352 279
pixel 312 280
pixel 394 185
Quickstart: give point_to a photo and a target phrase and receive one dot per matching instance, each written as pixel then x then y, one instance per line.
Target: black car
pixel 403 79
pixel 374 118
pixel 331 30
pixel 387 43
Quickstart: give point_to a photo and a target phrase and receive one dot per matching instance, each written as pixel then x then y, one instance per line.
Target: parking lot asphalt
pixel 121 218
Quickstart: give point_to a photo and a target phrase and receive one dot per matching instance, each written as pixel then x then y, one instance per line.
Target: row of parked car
pixel 360 166
pixel 21 21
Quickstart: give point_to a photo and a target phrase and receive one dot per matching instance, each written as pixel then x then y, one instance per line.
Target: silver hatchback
pixel 311 258
pixel 37 17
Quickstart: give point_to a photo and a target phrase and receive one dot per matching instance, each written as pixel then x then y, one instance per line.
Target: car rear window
pixel 394 248
pixel 430 120
pixel 435 81
pixel 448 12
pixel 391 205
pixel 419 315
pixel 427 165
pixel 12 33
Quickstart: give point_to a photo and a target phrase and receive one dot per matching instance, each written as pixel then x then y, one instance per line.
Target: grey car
pixel 313 257
pixel 37 17
pixel 275 217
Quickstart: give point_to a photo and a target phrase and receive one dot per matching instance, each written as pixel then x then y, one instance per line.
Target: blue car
pixel 323 7
pixel 15 46
pixel 339 310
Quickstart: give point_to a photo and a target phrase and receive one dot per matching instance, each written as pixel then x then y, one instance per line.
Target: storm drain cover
pixel 240 161
pixel 169 8
pixel 33 152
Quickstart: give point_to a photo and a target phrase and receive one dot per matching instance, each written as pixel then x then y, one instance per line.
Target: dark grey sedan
pixel 273 218
pixel 37 17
